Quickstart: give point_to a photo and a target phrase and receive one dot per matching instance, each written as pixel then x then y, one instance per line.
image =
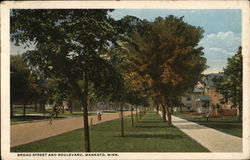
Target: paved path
pixel 212 139
pixel 33 131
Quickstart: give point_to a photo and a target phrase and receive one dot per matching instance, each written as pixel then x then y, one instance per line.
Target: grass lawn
pixel 110 111
pixel 227 124
pixel 31 115
pixel 77 114
pixel 30 118
pixel 28 110
pixel 149 135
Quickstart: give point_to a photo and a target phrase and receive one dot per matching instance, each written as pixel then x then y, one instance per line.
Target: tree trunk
pixel 163 113
pixel 169 116
pixel 85 116
pixel 56 113
pixel 35 109
pixel 62 108
pixel 44 110
pixel 24 109
pixel 240 111
pixel 55 110
pixel 136 113
pixel 40 107
pixel 71 106
pixel 163 108
pixel 140 114
pixel 122 125
pixel 11 108
pixel 132 118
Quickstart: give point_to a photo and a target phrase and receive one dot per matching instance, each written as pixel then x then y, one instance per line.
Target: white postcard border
pixel 5 72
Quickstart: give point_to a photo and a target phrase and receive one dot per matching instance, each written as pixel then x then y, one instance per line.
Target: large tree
pixel 230 84
pixel 23 84
pixel 132 92
pixel 168 58
pixel 70 44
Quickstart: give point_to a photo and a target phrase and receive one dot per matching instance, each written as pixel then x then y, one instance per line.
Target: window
pixel 205 103
pixel 189 106
pixel 188 98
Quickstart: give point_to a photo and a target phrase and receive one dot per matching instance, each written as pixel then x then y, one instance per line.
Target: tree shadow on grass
pixel 220 122
pixel 153 121
pixel 151 126
pixel 161 136
pixel 209 125
pixel 222 125
pixel 211 120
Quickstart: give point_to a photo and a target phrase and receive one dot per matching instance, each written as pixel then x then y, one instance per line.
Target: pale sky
pixel 222 35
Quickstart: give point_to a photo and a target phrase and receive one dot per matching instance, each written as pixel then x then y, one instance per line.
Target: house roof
pixel 203 98
pixel 209 83
pixel 197 90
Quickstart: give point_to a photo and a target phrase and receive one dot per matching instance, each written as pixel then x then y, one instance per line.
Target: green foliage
pixel 23 84
pixel 69 44
pixel 167 56
pixel 230 84
pixel 149 135
pixel 132 91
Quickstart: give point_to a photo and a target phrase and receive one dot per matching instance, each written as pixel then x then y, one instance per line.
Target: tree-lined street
pixel 148 135
pixel 150 130
pixel 30 132
pixel 86 61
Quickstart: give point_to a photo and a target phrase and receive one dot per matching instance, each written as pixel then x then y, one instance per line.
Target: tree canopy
pixel 24 86
pixel 80 52
pixel 230 84
pixel 70 44
pixel 167 56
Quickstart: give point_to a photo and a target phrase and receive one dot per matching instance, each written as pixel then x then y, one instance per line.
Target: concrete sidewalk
pixel 34 131
pixel 212 139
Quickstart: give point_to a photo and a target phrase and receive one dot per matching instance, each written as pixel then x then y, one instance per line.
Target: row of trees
pixel 29 87
pixel 25 86
pixel 92 56
pixel 230 84
pixel 74 47
pixel 167 58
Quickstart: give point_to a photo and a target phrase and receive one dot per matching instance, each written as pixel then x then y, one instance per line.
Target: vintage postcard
pixel 125 80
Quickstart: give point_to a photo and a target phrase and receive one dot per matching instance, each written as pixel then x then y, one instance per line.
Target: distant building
pixel 189 100
pixel 203 103
pixel 204 98
pixel 210 90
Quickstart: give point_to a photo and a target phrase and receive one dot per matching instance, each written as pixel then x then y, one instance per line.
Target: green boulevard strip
pixel 150 134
